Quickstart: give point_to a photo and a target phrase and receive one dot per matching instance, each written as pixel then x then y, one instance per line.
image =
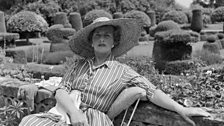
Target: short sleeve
pixel 132 78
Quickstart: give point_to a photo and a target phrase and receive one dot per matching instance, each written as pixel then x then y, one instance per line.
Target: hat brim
pixel 130 30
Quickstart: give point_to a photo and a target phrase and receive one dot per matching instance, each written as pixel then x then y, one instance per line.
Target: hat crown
pixel 101 19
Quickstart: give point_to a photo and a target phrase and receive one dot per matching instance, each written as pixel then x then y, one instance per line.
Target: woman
pixel 100 78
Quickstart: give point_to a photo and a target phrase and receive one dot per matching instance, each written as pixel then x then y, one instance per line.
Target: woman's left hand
pixel 186 112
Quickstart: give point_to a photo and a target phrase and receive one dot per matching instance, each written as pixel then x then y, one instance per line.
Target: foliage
pixel 218 15
pixel 206 19
pixel 197 20
pixel 118 15
pixel 177 16
pixel 211 38
pixel 173 36
pixel 94 14
pixel 212 47
pixel 12 114
pixel 139 15
pixel 208 57
pixel 58 34
pixel 189 15
pixel 220 35
pixel 27 21
pixel 182 66
pixel 166 25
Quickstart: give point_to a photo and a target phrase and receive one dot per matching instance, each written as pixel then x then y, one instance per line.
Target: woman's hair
pixel 116 35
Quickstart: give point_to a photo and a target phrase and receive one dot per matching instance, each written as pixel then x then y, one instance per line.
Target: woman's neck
pixel 100 58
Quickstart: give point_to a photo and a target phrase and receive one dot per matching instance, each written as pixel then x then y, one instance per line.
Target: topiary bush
pixel 118 15
pixel 61 18
pixel 94 14
pixel 152 16
pixel 167 25
pixel 2 22
pixel 208 57
pixel 218 15
pixel 176 16
pixel 220 35
pixel 197 21
pixel 27 21
pixel 222 42
pixel 181 66
pixel 211 38
pixel 75 20
pixel 212 47
pixel 170 46
pixel 189 15
pixel 139 15
pixel 59 34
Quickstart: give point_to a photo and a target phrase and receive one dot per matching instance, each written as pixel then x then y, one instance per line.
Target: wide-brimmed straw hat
pixel 130 30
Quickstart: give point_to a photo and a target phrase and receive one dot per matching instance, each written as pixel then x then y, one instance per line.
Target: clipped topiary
pixel 75 20
pixel 173 36
pixel 206 19
pixel 220 35
pixel 218 14
pixel 55 47
pixel 55 58
pixel 27 21
pixel 58 34
pixel 176 16
pixel 189 15
pixel 2 22
pixel 166 25
pixel 152 16
pixel 118 15
pixel 211 38
pixel 94 14
pixel 212 47
pixel 222 42
pixel 195 37
pixel 139 15
pixel 60 18
pixel 197 22
pixel 170 46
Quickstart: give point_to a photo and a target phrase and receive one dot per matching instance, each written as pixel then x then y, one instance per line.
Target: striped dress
pixel 99 87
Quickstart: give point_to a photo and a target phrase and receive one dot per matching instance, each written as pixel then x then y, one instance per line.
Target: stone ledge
pixel 149 114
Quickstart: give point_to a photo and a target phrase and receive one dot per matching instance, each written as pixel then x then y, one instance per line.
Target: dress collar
pixel 107 63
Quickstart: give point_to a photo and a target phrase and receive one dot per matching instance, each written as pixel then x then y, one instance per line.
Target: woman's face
pixel 103 39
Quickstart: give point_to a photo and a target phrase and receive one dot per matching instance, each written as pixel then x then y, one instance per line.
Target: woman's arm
pixel 161 99
pixel 76 116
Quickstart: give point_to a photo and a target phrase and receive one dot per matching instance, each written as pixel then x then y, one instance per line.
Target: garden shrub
pixel 166 25
pixel 152 16
pixel 208 57
pixel 195 37
pixel 118 15
pixel 203 37
pixel 94 14
pixel 75 20
pixel 2 22
pixel 58 34
pixel 176 16
pixel 222 42
pixel 218 14
pixel 139 15
pixel 170 46
pixel 212 47
pixel 211 38
pixel 182 66
pixel 197 21
pixel 189 15
pixel 61 18
pixel 9 36
pixel 220 35
pixel 206 19
pixel 173 36
pixel 55 58
pixel 27 21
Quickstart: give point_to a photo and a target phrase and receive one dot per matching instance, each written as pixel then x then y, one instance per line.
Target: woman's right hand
pixel 78 119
